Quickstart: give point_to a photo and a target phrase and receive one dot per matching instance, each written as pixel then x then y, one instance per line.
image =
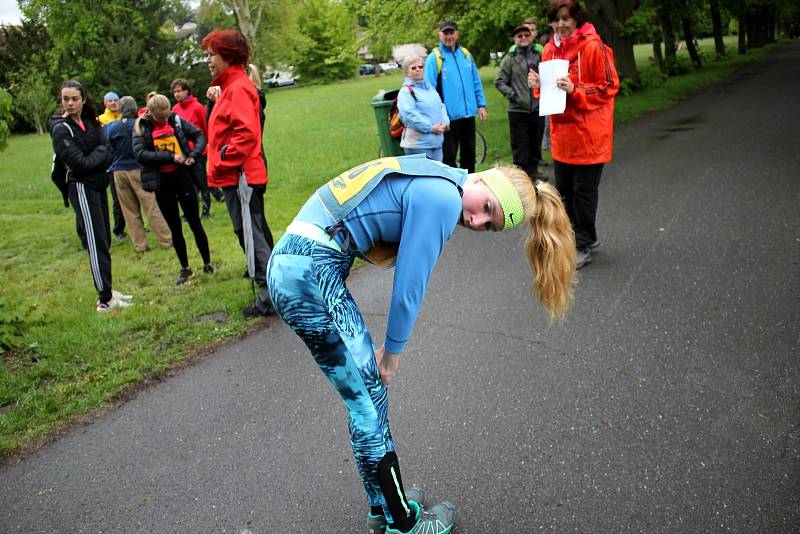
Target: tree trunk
pixel 742 30
pixel 608 15
pixel 664 17
pixel 658 57
pixel 716 21
pixel 688 36
pixel 246 23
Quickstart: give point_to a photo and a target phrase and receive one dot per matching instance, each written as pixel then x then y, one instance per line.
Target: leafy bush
pixel 5 117
pixel 678 65
pixel 651 77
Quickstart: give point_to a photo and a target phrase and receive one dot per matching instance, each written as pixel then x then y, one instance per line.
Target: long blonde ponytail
pixel 550 242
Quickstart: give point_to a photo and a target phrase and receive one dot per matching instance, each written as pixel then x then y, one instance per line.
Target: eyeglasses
pixel 415 67
pixel 522 35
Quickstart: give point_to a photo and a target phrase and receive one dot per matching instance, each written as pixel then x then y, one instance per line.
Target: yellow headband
pixel 507 195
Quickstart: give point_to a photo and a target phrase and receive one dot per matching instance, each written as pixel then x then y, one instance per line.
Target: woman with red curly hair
pixel 235 162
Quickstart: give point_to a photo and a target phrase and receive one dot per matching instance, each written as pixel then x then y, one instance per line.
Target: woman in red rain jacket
pixel 581 136
pixel 235 162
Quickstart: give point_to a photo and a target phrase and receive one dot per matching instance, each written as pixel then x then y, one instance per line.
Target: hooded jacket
pixel 419 113
pixel 512 79
pixel 152 159
pixel 462 90
pixel 84 154
pixel 234 132
pixel 584 133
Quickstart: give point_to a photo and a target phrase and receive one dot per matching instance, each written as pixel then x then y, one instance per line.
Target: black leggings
pixel 578 185
pixel 177 188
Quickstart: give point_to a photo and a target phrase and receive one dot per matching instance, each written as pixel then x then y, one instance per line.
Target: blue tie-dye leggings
pixel 307 286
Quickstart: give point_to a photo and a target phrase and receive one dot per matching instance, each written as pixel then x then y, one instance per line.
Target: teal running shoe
pixel 376 524
pixel 438 519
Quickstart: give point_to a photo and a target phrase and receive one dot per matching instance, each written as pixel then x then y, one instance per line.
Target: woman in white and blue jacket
pixel 422 112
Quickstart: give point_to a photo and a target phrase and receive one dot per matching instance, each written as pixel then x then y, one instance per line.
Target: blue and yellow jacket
pixel 461 87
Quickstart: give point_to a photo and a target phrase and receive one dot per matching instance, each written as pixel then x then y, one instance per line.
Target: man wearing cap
pixel 524 124
pixel 452 70
pixel 111 114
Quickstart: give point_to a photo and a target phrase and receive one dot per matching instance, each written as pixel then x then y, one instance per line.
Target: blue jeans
pixel 306 281
pixel 432 153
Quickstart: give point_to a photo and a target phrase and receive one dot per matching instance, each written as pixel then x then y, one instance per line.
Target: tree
pixel 5 117
pixel 248 20
pixel 127 45
pixel 613 21
pixel 688 34
pixel 33 100
pixel 332 54
pixel 716 21
pixel 664 12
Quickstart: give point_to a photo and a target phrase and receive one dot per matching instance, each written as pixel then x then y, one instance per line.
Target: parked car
pixel 366 69
pixel 390 65
pixel 280 79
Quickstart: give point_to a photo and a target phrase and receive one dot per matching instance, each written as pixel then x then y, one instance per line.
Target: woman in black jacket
pixel 161 144
pixel 79 146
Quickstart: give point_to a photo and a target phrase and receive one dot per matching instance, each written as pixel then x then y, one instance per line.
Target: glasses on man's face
pixel 449 32
pixel 523 35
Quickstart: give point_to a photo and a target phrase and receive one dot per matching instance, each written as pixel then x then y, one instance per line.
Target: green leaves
pixel 5 117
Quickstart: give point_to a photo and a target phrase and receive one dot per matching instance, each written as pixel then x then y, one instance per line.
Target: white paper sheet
pixel 552 100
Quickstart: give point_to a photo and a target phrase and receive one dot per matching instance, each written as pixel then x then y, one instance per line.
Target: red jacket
pixel 584 133
pixel 193 111
pixel 234 127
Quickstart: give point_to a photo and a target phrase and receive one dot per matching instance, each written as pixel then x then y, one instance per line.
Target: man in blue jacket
pixel 452 70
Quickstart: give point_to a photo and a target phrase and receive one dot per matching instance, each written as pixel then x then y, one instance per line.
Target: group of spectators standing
pixel 155 160
pixel 438 104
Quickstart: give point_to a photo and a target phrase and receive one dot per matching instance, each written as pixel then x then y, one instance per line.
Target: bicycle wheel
pixel 480 148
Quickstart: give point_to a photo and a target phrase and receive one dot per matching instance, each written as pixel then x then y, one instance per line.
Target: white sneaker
pixel 121 296
pixel 115 302
pixel 582 257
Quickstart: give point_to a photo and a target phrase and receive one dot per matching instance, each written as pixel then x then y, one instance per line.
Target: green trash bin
pixel 382 104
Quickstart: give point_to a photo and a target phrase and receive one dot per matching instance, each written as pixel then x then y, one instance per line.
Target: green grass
pixel 69 360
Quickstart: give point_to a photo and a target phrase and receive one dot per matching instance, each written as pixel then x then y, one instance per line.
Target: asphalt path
pixel 668 400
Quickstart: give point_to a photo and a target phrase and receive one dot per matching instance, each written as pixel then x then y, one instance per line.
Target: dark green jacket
pixel 512 81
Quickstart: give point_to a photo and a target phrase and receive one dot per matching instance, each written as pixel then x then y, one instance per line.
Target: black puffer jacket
pixel 152 159
pixel 85 154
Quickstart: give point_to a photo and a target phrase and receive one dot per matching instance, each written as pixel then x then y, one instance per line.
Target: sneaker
pixel 595 244
pixel 582 257
pixel 376 524
pixel 439 519
pixel 251 312
pixel 115 302
pixel 121 236
pixel 206 214
pixel 208 268
pixel 121 296
pixel 186 272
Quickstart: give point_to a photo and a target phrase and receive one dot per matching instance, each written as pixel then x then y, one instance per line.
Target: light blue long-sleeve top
pixel 420 115
pixel 419 213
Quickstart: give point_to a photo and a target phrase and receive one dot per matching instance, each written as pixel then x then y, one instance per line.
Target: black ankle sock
pixel 376 510
pixel 405 525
